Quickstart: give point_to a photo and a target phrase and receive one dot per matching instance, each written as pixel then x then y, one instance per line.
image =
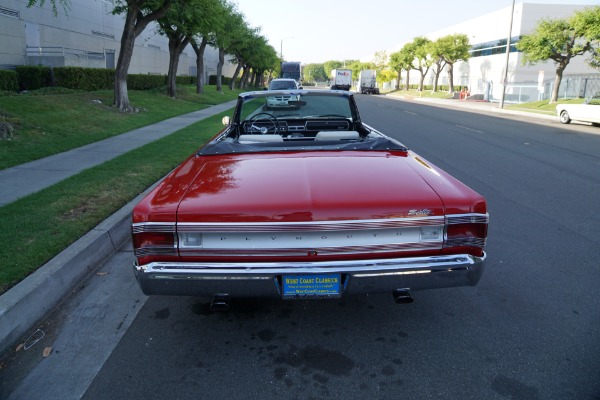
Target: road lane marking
pixel 469 129
pixel 408 112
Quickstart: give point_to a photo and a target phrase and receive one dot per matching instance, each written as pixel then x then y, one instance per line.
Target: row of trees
pixel 558 40
pixel 421 55
pixel 190 22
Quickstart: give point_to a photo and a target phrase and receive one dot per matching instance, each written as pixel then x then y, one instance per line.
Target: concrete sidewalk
pixel 25 179
pixel 27 303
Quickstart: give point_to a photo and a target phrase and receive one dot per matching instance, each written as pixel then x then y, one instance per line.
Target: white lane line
pixel 412 113
pixel 469 129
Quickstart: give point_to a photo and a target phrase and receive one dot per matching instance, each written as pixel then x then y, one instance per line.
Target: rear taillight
pixel 466 230
pixel 154 239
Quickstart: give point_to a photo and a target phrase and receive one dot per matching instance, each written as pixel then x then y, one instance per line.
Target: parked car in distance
pixel 589 111
pixel 306 203
pixel 282 100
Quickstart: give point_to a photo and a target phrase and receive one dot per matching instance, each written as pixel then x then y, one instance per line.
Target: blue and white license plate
pixel 311 285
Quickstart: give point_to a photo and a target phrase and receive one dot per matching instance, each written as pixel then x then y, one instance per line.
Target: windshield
pixel 282 85
pixel 297 120
pixel 297 104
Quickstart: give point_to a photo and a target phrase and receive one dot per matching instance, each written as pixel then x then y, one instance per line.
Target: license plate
pixel 311 285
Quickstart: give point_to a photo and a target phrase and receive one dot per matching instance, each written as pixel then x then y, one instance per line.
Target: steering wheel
pixel 264 129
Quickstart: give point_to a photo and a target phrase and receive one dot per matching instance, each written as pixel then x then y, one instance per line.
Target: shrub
pixel 185 80
pixel 145 82
pixel 86 79
pixel 212 80
pixel 9 81
pixel 34 77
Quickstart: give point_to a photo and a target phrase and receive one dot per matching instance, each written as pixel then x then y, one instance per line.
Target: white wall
pixel 495 26
pixel 88 27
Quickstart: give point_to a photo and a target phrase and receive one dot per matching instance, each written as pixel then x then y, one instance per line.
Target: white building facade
pixel 484 72
pixel 86 35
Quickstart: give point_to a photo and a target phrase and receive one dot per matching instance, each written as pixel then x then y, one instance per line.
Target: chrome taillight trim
pixel 468 242
pixel 473 218
pixel 141 227
pixel 391 248
pixel 308 225
pixel 156 251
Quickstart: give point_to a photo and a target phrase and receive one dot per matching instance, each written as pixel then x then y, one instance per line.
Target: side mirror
pixel 226 120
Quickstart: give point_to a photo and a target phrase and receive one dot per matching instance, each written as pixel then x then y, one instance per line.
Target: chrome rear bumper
pixel 264 279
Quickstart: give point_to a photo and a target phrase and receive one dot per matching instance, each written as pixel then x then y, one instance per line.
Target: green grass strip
pixel 36 228
pixel 49 124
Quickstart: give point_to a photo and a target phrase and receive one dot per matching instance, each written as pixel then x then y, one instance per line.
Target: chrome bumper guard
pixel 264 279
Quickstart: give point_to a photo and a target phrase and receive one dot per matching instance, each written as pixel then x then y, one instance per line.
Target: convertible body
pixel 589 111
pixel 307 205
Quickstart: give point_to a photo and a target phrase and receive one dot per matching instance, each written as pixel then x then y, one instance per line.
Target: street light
pixel 512 11
pixel 281 47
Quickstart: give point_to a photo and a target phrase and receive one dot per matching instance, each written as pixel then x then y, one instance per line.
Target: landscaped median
pixel 36 228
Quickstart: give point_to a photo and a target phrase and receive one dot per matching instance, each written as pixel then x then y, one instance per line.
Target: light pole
pixel 512 11
pixel 281 47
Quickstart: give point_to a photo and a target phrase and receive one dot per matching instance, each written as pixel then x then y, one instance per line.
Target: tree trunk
pixel 220 69
pixel 121 97
pixel 176 47
pixel 234 77
pixel 398 79
pixel 436 79
pixel 451 77
pixel 135 23
pixel 407 79
pixel 421 81
pixel 200 76
pixel 245 74
pixel 557 79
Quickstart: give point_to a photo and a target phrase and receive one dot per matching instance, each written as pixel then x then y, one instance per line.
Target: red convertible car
pixel 308 202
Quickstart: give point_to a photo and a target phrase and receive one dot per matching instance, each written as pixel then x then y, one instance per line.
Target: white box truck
pixel 341 79
pixel 367 82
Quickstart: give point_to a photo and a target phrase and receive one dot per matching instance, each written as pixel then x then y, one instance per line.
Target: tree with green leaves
pixel 213 15
pixel 138 14
pixel 330 65
pixel 179 24
pixel 436 50
pixel 560 40
pixel 423 60
pixel 402 60
pixel 587 21
pixel 455 48
pixel 315 72
pixel 227 36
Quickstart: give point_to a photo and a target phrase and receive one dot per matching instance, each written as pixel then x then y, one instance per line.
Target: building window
pixel 7 12
pixel 494 47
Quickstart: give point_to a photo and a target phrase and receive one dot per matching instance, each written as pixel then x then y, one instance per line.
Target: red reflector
pixel 153 239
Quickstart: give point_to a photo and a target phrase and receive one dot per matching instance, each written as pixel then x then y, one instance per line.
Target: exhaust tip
pixel 220 303
pixel 402 296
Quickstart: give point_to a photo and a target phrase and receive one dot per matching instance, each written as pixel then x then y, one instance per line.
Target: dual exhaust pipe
pixel 220 303
pixel 402 296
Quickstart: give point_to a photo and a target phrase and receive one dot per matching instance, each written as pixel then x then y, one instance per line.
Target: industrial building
pixel 86 35
pixel 484 72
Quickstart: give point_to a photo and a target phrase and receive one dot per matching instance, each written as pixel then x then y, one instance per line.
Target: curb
pixel 474 106
pixel 25 304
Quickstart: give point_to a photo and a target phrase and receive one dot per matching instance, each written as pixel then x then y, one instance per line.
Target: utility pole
pixel 512 12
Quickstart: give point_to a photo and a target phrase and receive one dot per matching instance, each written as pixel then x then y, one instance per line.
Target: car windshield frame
pixel 306 120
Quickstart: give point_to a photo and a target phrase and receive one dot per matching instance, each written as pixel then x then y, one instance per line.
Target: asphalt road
pixel 529 330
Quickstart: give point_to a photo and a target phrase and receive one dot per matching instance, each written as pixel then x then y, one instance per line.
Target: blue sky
pixel 320 30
